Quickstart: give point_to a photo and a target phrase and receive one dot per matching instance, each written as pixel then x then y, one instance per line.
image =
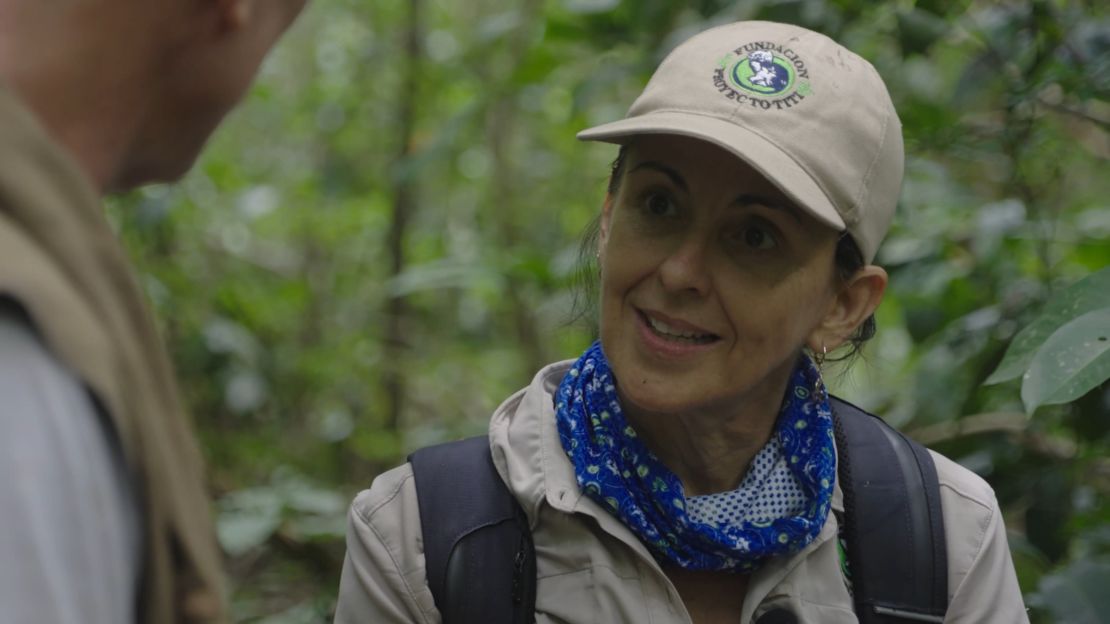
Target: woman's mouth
pixel 676 331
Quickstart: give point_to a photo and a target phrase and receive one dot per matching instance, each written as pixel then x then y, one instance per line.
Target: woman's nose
pixel 685 268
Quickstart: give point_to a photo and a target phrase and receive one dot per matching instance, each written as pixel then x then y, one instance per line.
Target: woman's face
pixel 711 281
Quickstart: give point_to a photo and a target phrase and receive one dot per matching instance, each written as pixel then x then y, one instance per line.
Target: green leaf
pixel 438 275
pixel 247 518
pixel 1076 593
pixel 1073 360
pixel 316 500
pixel 319 528
pixel 1089 293
pixel 243 530
pixel 303 613
pixel 590 6
pixel 917 30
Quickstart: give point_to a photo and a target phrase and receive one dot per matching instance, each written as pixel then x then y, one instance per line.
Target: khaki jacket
pixel 61 264
pixel 590 568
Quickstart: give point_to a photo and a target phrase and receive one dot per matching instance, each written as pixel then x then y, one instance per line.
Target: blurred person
pixel 104 516
pixel 690 466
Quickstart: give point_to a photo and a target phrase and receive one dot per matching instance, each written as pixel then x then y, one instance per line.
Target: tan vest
pixel 60 261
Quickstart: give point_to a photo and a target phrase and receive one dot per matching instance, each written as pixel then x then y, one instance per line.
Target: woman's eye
pixel 659 204
pixel 757 237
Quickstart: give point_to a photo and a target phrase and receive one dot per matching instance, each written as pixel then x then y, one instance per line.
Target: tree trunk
pixel 501 121
pixel 404 200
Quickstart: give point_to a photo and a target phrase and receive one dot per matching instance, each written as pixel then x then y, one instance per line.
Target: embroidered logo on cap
pixel 763 75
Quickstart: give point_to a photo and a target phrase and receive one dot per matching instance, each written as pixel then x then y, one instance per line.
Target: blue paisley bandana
pixel 615 469
pixel 769 491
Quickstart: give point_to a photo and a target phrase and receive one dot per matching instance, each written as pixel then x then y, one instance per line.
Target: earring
pixel 819 358
pixel 819 390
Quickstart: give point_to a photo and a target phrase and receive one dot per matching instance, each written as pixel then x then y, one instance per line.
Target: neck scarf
pixel 615 469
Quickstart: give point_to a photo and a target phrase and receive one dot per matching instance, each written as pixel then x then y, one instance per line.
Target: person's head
pixel 742 216
pixel 133 88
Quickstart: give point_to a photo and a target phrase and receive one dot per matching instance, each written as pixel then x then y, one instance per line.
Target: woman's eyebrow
pixel 748 199
pixel 671 173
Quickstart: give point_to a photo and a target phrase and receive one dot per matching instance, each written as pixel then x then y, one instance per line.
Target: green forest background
pixel 382 243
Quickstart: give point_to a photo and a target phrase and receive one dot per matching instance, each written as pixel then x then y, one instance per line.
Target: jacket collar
pixel 530 458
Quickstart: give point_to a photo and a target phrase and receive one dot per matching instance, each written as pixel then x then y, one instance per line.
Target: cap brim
pixel 763 155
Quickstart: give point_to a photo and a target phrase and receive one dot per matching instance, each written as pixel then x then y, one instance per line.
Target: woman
pixel 683 469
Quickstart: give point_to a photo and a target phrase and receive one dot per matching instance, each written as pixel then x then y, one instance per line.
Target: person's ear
pixel 855 300
pixel 232 15
pixel 606 219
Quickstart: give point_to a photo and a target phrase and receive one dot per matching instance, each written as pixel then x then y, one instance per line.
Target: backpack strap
pixel 481 565
pixel 473 528
pixel 893 523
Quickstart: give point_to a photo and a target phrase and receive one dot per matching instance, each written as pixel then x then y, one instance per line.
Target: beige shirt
pixel 591 568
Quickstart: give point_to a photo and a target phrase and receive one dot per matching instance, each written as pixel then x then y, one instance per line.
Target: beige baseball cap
pixel 812 116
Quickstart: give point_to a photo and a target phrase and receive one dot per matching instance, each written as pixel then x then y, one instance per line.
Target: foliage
pixel 381 245
pixel 1076 593
pixel 1064 353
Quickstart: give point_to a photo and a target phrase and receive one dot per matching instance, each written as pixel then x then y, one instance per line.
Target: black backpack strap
pixel 481 564
pixel 893 524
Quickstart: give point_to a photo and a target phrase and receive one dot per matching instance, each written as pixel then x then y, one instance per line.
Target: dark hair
pixel 847 259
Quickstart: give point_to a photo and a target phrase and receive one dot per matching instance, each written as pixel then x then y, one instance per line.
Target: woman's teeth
pixel 673 333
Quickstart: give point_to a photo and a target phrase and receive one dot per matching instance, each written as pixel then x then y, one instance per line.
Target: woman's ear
pixel 857 299
pixel 606 220
pixel 233 15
